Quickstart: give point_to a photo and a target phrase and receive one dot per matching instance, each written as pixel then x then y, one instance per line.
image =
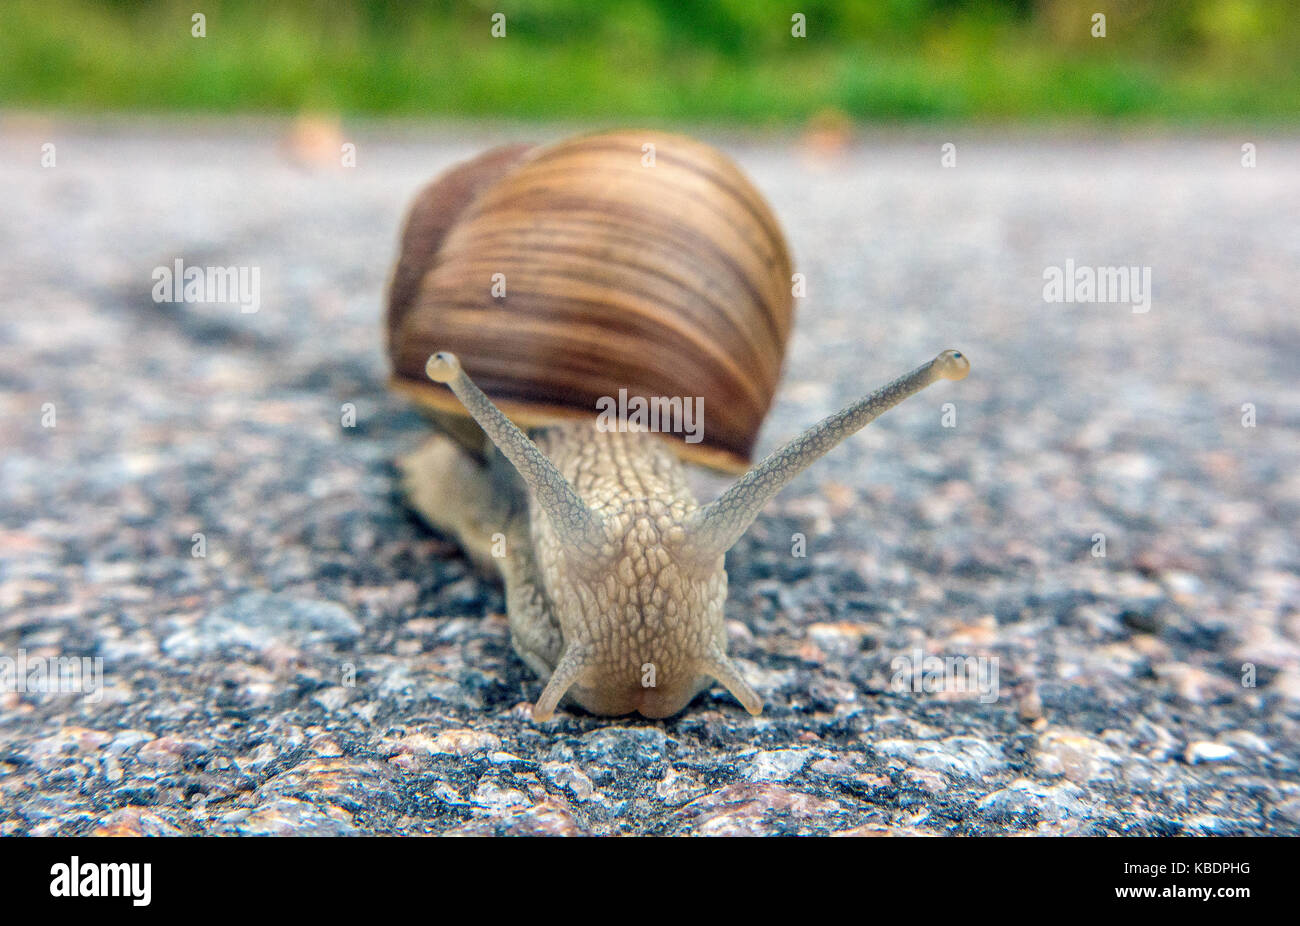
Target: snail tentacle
pixel 720 524
pixel 571 665
pixel 573 521
pixel 724 670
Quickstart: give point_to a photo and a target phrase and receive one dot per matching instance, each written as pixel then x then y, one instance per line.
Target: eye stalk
pixel 715 528
pixel 569 514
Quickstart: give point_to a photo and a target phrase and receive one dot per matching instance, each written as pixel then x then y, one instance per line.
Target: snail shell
pixel 665 277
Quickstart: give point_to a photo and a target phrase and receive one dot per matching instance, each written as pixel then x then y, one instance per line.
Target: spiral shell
pixel 661 273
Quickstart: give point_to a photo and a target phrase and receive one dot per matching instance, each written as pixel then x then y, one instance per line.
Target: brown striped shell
pixel 664 280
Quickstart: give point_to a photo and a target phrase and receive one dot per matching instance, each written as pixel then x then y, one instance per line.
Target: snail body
pixel 663 279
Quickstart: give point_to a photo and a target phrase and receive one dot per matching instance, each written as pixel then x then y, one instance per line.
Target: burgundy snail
pixel 537 282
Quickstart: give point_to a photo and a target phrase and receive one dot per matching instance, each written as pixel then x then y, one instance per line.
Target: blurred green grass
pixel 724 60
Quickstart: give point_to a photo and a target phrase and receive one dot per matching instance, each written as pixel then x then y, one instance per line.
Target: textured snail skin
pixel 614 576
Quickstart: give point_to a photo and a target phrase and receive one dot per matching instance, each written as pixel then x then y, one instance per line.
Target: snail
pixel 537 282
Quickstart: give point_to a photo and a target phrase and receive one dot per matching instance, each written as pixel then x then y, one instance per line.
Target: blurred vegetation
pixel 730 60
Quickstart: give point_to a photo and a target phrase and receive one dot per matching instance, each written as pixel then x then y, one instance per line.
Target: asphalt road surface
pixel 330 665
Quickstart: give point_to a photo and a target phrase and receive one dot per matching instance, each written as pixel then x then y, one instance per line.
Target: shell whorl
pixel 664 280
